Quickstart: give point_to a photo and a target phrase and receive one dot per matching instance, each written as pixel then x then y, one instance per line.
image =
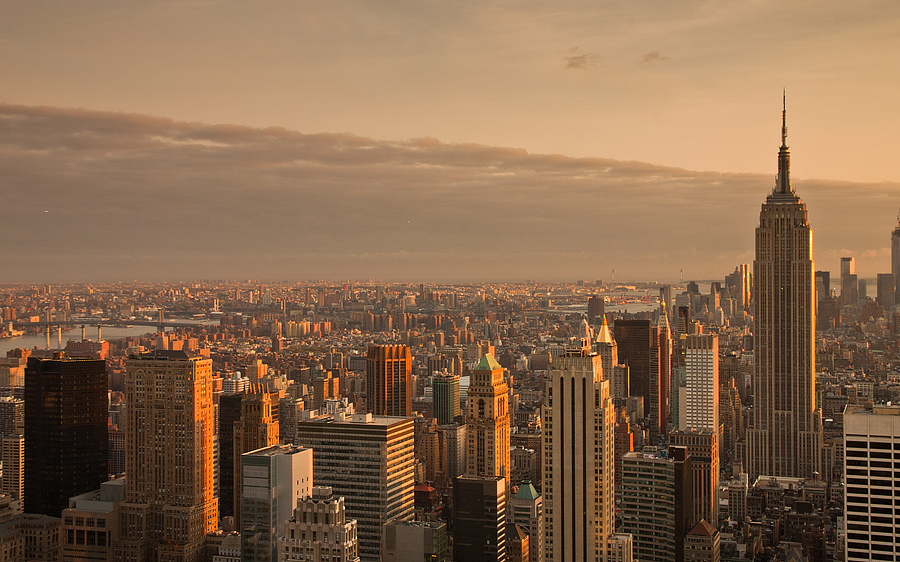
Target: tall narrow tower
pixel 487 437
pixel 578 460
pixel 785 437
pixel 895 259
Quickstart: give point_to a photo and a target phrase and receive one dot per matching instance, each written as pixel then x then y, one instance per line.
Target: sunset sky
pixel 438 140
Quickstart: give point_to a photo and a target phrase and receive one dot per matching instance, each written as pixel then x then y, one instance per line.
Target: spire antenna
pixel 784 118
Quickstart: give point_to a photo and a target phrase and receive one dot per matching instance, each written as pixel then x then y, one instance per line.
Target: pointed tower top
pixel 663 319
pixel 603 335
pixel 783 182
pixel 487 363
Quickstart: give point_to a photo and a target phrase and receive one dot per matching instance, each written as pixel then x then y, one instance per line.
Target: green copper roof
pixel 488 363
pixel 527 492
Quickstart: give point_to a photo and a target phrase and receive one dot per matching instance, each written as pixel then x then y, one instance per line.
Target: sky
pixel 446 141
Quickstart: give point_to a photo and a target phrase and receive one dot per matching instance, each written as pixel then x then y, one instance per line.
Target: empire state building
pixel 785 438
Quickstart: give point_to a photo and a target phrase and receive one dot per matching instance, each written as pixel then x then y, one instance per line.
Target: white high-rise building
pixel 701 359
pixel 871 476
pixel 785 437
pixel 578 468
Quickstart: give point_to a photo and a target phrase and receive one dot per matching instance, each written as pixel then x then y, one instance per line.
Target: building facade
pixel 370 462
pixel 785 437
pixel 65 430
pixel 487 421
pixel 389 390
pixel 319 531
pixel 445 392
pixel 479 519
pixel 656 503
pixel 169 503
pixel 871 476
pixel 578 421
pixel 273 479
pixel 701 359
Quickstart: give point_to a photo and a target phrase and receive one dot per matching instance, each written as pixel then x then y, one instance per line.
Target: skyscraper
pixel 578 461
pixel 656 505
pixel 369 460
pixel 786 434
pixel 885 290
pixel 274 479
pixel 445 392
pixel 487 421
pixel 634 339
pixel 849 294
pixel 701 358
pixel 169 503
pixel 389 380
pixel 872 436
pixel 65 430
pixel 895 259
pixel 257 428
pixel 479 519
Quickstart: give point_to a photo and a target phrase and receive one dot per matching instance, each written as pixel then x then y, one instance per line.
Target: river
pixel 108 333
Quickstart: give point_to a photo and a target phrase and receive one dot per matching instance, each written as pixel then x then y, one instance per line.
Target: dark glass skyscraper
pixel 65 430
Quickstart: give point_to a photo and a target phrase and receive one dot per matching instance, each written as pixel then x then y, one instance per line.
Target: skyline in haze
pixel 476 141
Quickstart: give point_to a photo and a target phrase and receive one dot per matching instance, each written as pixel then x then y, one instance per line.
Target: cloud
pixel 139 197
pixel 579 59
pixel 653 56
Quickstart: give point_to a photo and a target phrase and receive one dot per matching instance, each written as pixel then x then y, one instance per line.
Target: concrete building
pixel 703 448
pixel 656 503
pixel 257 428
pixel 273 480
pixel 12 454
pixel 169 504
pixel 455 442
pixel 487 421
pixel 65 430
pixel 785 437
pixel 479 519
pixel 578 461
pixel 319 531
pixel 389 388
pixel 369 461
pixel 701 357
pixel 41 536
pixel 871 476
pixel 90 524
pixel 403 541
pixel 527 507
pixel 702 544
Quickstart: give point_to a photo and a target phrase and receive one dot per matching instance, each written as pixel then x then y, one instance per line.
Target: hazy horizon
pixel 102 196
